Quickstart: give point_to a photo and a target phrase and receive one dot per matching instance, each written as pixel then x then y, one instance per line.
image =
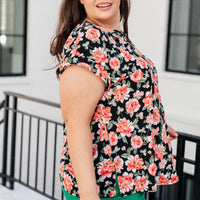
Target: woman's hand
pixel 172 133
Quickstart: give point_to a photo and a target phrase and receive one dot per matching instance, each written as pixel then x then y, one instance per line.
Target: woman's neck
pixel 115 25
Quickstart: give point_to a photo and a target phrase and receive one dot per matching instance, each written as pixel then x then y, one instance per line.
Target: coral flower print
pixel 125 182
pixel 94 150
pixel 107 150
pixel 132 106
pixel 125 127
pixel 172 158
pixel 157 94
pixel 152 142
pixel 62 167
pixel 107 95
pixel 93 34
pixel 149 118
pixel 69 42
pixel 126 54
pixel 103 132
pixel 159 152
pixel 162 180
pixel 121 93
pixel 118 163
pixel 98 114
pixel 162 163
pixel 150 63
pixel 102 71
pixel 101 112
pixel 107 113
pixel 164 135
pixel 114 63
pixel 113 193
pixel 68 183
pixel 111 40
pixel 141 62
pixel 138 94
pixel 134 162
pixel 148 100
pixel 156 116
pixel 130 138
pixel 70 169
pixel 99 55
pixel 136 142
pixel 106 168
pixel 141 184
pixel 152 169
pixel 85 65
pixel 113 138
pixel 137 76
pixel 174 178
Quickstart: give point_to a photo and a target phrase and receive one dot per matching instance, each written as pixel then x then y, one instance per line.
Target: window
pixel 13 37
pixel 183 51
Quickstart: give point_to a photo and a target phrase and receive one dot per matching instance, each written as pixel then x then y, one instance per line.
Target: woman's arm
pixel 80 91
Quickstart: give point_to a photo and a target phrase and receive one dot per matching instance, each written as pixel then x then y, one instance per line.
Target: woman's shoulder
pixel 95 33
pixel 89 30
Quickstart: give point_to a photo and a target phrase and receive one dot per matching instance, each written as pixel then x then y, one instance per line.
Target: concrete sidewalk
pixel 20 193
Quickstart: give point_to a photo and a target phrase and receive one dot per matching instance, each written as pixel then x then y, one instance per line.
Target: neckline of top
pixel 107 29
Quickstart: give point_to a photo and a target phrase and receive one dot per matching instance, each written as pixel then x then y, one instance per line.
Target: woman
pixel 116 140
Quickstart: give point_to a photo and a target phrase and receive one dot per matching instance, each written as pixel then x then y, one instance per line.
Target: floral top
pixel 129 129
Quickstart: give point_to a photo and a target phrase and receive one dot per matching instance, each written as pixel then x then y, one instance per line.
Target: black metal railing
pixel 20 127
pixel 1 107
pixel 181 160
pixel 29 137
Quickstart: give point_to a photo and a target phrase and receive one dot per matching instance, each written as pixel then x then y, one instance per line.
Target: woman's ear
pixel 81 1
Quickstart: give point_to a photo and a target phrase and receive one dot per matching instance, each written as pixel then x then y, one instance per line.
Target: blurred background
pixel 167 32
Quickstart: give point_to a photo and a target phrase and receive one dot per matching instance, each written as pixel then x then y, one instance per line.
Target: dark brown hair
pixel 72 12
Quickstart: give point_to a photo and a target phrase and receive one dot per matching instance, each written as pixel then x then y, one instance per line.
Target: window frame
pixel 24 72
pixel 169 34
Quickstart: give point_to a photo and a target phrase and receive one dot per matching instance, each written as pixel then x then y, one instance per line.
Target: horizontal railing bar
pixel 189 137
pixel 1 121
pixel 34 99
pixel 186 160
pixel 34 116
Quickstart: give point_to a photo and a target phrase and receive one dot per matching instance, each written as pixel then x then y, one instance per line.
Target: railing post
pixel 179 165
pixel 5 140
pixel 152 196
pixel 197 174
pixel 13 142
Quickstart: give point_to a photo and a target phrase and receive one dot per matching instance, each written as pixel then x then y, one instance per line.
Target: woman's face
pixel 104 11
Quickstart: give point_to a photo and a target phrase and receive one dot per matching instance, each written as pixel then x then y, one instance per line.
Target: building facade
pixel 149 31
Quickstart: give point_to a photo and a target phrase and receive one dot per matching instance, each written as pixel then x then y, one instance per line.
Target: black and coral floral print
pixel 129 129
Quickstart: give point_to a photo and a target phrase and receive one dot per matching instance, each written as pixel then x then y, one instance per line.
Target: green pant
pixel 136 196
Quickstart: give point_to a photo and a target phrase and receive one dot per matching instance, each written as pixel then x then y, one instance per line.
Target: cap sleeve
pixel 85 47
